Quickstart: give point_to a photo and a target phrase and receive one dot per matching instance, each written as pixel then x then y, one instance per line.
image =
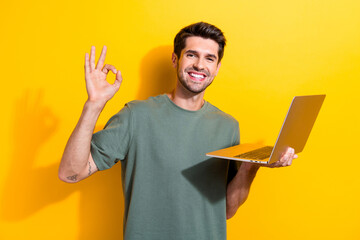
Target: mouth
pixel 196 76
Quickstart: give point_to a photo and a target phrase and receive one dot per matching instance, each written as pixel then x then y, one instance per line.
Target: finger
pixel 282 155
pixel 108 67
pixel 287 154
pixel 290 158
pixel 92 58
pixel 292 155
pixel 290 162
pixel 283 161
pixel 119 76
pixel 292 151
pixel 101 61
pixel 118 80
pixel 87 63
pixel 284 158
pixel 287 162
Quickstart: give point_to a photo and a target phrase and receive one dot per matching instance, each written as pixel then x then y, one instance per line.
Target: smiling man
pixel 198 64
pixel 172 190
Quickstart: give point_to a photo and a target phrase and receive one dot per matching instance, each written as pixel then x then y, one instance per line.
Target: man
pixel 172 190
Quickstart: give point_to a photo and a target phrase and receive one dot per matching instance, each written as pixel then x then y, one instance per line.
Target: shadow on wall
pixel 157 73
pixel 29 189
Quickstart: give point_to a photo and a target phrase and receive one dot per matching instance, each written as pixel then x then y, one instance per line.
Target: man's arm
pixel 77 162
pixel 239 187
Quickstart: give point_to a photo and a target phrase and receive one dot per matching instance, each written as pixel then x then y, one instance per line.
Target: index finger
pixel 87 63
pixel 101 61
pixel 92 58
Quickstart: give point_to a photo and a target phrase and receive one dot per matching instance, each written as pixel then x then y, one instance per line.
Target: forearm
pixel 76 155
pixel 239 187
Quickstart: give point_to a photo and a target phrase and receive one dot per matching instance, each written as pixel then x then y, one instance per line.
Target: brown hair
pixel 200 29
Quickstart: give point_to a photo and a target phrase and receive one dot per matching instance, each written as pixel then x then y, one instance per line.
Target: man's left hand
pixel 285 159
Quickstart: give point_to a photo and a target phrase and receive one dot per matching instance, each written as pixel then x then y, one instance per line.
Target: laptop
pixel 294 133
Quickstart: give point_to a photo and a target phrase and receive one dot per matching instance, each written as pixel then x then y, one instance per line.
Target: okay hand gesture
pixel 98 89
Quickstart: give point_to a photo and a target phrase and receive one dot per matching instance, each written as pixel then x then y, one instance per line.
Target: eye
pixel 210 59
pixel 190 55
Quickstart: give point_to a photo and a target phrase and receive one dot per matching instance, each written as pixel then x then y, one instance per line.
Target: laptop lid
pixel 297 125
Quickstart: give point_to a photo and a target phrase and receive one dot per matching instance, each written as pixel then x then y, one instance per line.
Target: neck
pixel 189 101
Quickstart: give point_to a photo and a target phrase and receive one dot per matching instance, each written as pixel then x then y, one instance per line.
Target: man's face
pixel 198 64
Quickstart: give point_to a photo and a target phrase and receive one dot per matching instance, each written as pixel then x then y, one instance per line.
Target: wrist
pixel 94 106
pixel 246 173
pixel 249 168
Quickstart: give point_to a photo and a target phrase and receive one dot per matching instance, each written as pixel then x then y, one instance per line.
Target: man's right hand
pixel 98 89
pixel 77 162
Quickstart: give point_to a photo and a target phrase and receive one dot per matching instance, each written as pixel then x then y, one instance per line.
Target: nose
pixel 198 64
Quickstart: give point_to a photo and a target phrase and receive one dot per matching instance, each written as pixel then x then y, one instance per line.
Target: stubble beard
pixel 184 81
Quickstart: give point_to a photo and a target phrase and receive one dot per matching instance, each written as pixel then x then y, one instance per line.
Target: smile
pixel 197 76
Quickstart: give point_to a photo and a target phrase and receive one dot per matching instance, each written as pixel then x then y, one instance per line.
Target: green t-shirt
pixel 172 189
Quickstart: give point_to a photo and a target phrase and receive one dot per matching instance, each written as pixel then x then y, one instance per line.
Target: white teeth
pixel 196 75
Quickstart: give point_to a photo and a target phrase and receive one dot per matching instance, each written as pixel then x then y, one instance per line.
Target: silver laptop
pixel 294 133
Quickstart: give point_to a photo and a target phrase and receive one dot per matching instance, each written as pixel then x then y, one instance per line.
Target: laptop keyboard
pixel 258 154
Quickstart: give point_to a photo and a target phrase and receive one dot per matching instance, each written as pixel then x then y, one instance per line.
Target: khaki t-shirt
pixel 172 189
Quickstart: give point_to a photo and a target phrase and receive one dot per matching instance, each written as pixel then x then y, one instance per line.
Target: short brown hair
pixel 200 29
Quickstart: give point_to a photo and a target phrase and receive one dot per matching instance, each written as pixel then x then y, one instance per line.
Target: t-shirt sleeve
pixel 236 137
pixel 111 144
pixel 234 165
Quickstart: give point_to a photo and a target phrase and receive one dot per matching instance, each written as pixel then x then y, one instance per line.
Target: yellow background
pixel 276 49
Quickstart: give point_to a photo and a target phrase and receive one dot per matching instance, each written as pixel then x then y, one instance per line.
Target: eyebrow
pixel 195 52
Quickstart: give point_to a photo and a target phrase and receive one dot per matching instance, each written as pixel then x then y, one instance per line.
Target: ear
pixel 174 60
pixel 218 67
